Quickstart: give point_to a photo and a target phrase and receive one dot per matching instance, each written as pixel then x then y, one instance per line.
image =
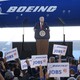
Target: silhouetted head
pixel 17 72
pixel 1 54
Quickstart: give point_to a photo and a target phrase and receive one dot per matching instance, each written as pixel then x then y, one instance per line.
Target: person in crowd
pixel 17 63
pixel 8 75
pixel 11 66
pixel 78 69
pixel 72 75
pixel 1 56
pixel 2 65
pixel 33 73
pixel 17 72
pixel 51 59
pixel 73 65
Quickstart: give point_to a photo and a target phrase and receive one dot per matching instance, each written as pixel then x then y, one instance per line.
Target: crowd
pixel 12 70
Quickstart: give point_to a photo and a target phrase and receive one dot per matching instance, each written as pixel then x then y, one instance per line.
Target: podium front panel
pixel 42 46
pixel 42 34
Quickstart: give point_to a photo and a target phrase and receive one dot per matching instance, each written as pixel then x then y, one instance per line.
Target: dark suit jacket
pixel 45 26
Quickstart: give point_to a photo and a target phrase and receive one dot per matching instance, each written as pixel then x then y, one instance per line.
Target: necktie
pixel 41 26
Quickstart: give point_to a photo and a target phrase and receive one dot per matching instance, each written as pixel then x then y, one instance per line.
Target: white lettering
pixel 30 9
pixel 36 8
pixel 51 8
pixel 12 9
pixel 21 9
pixel 42 9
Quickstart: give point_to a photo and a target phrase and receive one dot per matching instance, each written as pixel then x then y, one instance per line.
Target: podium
pixel 42 41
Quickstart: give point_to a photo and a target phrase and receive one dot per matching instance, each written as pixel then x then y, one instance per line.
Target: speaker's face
pixel 42 19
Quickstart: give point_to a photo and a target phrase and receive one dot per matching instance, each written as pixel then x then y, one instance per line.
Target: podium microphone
pixel 22 42
pixel 23 39
pixel 63 23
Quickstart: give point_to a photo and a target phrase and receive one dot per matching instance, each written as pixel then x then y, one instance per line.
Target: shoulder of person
pixel 45 22
pixel 71 78
pixel 18 78
pixel 15 78
pixel 37 23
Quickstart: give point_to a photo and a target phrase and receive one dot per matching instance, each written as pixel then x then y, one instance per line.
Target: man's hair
pixel 41 17
pixel 52 59
pixel 17 72
pixel 1 54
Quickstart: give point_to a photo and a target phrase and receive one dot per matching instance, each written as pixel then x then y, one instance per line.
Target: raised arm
pixel 59 60
pixel 1 77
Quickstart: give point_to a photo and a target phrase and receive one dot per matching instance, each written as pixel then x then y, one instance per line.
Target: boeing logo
pixel 32 9
pixel 20 9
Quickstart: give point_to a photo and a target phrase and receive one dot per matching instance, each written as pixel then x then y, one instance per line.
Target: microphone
pixel 23 25
pixel 61 21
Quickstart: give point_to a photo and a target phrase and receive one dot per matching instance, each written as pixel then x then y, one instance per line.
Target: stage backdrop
pixel 27 49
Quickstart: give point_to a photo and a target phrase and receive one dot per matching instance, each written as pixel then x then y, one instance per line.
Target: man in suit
pixel 41 24
pixel 42 44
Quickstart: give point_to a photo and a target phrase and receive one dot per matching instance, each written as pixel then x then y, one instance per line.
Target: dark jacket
pixel 45 26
